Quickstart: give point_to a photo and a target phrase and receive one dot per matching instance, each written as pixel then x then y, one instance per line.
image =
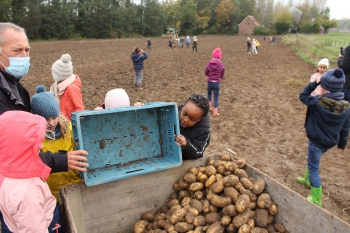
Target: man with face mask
pixel 14 64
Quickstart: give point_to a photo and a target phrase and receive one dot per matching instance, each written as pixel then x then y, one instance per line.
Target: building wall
pixel 246 27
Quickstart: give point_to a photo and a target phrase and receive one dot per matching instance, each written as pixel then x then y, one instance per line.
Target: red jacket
pixel 72 99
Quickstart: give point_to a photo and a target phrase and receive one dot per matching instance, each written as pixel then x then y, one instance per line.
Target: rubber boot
pixel 211 105
pixel 304 180
pixel 316 196
pixel 215 112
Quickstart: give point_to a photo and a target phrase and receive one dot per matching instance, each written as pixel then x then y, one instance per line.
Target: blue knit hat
pixel 333 80
pixel 44 103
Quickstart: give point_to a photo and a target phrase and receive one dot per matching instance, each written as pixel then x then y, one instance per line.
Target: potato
pixel 158 217
pixel 270 228
pixel 189 178
pixel 264 201
pixel 147 216
pixel 232 193
pixel 238 186
pixel 230 166
pixel 202 169
pixel 213 209
pixel 240 173
pixel 229 210
pixel 140 226
pixel 169 227
pixel 215 228
pixel 231 229
pixel 199 221
pixel 186 201
pixel 212 217
pixel 218 176
pixel 270 219
pixel 182 194
pixel 183 227
pixel 173 209
pixel 199 174
pixel 218 163
pixel 219 201
pixel 230 181
pixel 264 230
pixel 273 209
pixel 177 216
pixel 203 178
pixel 252 205
pixel 210 161
pixel 226 157
pixel 211 180
pixel 241 163
pixel 225 220
pixel 173 195
pixel 193 211
pixel 251 223
pixel 197 186
pixel 197 195
pixel 242 203
pixel 160 223
pixel 193 170
pixel 261 217
pixel 198 229
pixel 259 186
pixel 256 230
pixel 279 227
pixel 205 205
pixel 176 187
pixel 245 228
pixel 182 184
pixel 246 183
pixel 149 226
pixel 242 218
pixel 227 173
pixel 210 170
pixel 217 187
pixel 164 209
pixel 197 205
pixel 189 217
pixel 221 169
pixel 173 202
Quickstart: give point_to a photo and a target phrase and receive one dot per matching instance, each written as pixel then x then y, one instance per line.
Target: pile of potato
pixel 217 198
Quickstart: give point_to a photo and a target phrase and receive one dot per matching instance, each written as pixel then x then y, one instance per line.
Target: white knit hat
pixel 117 98
pixel 324 61
pixel 62 68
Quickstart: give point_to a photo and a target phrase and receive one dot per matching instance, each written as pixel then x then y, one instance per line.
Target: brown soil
pixel 261 117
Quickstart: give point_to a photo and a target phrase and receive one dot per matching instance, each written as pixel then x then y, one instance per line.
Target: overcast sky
pixel 339 8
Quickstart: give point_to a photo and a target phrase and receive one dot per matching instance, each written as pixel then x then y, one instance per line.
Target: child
pixel 58 137
pixel 137 57
pixel 114 99
pixel 249 45
pixel 257 46
pixel 66 88
pixel 194 44
pixel 321 68
pixel 215 71
pixel 254 46
pixel 171 43
pixel 327 124
pixel 194 134
pixel 149 43
pixel 188 41
pixel 182 41
pixel 26 202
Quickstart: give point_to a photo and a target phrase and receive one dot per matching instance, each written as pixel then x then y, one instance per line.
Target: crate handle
pixel 135 171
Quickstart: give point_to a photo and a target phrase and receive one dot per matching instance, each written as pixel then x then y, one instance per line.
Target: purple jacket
pixel 215 71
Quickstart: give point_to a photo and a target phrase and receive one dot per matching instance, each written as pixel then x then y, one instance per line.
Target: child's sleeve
pixel 305 95
pixel 58 162
pixel 344 135
pixel 194 149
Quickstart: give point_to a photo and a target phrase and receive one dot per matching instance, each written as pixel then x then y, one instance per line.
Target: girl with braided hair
pixel 194 134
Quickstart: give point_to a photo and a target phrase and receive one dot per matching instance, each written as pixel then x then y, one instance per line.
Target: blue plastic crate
pixel 128 141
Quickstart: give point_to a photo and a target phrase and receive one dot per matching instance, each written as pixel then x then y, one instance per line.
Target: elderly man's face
pixel 15 45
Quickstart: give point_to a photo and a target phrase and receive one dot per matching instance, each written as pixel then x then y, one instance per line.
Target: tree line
pixel 65 19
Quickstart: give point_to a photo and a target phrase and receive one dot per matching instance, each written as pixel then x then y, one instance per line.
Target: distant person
pixel 182 41
pixel 171 43
pixel 115 98
pixel 254 50
pixel 149 44
pixel 137 57
pixel 194 134
pixel 344 64
pixel 327 124
pixel 194 44
pixel 67 86
pixel 215 72
pixel 249 45
pixel 188 41
pixel 264 38
pixel 257 46
pixel 316 77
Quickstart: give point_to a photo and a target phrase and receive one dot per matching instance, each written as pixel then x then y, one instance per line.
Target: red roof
pixel 253 19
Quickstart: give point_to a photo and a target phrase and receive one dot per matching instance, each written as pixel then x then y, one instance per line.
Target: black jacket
pixel 58 161
pixel 344 64
pixel 197 137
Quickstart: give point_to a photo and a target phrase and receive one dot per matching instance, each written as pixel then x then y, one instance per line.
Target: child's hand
pixel 77 160
pixel 98 108
pixel 180 140
pixel 138 104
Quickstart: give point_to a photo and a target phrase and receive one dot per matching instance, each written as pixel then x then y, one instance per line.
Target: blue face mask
pixel 19 66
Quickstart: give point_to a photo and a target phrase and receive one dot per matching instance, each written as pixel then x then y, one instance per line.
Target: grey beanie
pixel 333 80
pixel 62 68
pixel 44 103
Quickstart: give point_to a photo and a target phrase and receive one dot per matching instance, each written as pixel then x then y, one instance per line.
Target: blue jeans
pixel 313 163
pixel 216 88
pixel 138 78
pixel 346 94
pixel 56 219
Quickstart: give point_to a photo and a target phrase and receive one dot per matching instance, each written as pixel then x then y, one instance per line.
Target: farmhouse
pixel 247 25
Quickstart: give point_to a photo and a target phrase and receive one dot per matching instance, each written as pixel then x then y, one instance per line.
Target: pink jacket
pixel 26 202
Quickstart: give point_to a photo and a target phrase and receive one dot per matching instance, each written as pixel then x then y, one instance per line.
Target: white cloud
pixel 339 8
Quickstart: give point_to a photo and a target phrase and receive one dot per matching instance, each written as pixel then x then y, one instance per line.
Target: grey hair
pixel 7 25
